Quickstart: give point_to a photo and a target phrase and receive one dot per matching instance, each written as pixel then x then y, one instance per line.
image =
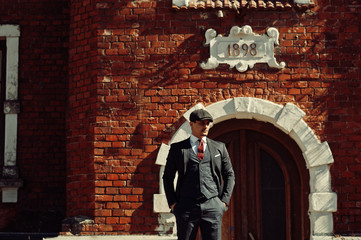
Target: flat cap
pixel 200 115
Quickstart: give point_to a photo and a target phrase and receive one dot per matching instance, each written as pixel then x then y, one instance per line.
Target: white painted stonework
pixel 11 33
pixel 288 118
pixel 180 3
pixel 307 2
pixel 9 195
pixel 242 48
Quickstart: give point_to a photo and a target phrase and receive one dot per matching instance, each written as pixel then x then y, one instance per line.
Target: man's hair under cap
pixel 200 115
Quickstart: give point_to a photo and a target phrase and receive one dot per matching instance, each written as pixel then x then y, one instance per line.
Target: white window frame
pixel 9 182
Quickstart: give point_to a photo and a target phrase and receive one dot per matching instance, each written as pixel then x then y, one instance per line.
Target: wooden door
pixel 270 196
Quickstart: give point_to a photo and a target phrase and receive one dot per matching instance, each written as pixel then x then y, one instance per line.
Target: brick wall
pixel 133 72
pixel 82 110
pixel 149 76
pixel 109 168
pixel 43 79
pixel 339 66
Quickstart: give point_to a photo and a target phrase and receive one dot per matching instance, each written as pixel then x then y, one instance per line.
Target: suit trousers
pixel 192 215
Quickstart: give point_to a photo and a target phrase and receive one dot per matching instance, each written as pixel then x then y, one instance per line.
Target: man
pixel 205 181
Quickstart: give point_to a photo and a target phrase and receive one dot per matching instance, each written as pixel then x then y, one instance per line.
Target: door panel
pixel 273 198
pixel 269 196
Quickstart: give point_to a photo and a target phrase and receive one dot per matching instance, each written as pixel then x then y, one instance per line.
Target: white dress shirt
pixel 195 143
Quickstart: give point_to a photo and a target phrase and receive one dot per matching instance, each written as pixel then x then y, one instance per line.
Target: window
pixel 2 95
pixel 9 47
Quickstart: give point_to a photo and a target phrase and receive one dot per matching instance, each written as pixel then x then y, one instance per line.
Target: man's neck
pixel 196 138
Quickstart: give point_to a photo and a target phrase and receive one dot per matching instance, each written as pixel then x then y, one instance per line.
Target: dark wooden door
pixel 270 196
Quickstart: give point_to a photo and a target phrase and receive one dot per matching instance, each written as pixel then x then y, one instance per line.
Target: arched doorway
pixel 270 197
pixel 287 119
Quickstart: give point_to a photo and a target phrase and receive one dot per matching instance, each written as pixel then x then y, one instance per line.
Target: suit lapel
pixel 210 147
pixel 212 152
pixel 186 155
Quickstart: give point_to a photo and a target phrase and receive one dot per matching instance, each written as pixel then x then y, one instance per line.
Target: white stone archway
pixel 288 118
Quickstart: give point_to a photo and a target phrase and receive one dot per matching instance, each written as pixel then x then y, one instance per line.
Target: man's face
pixel 200 128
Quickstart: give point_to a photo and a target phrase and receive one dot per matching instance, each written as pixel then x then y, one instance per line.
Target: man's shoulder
pixel 215 143
pixel 181 144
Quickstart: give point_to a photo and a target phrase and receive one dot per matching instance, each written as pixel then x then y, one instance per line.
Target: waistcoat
pixel 198 179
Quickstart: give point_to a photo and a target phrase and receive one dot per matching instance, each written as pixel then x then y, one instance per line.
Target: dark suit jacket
pixel 178 158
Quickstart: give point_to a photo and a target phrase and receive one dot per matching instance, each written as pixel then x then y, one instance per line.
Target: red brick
pixel 84 95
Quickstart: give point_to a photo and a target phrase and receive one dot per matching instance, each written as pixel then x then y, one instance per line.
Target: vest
pixel 198 179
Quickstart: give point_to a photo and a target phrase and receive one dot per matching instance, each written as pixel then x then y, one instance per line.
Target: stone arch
pixel 288 118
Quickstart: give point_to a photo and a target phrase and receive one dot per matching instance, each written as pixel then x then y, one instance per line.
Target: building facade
pixel 95 92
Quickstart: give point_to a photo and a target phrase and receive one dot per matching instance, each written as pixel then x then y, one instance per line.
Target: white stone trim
pixel 8 30
pixel 288 118
pixel 161 157
pixel 11 128
pixel 307 2
pixel 228 49
pixel 9 195
pixel 12 34
pixel 340 238
pixel 318 155
pixel 323 202
pixel 180 3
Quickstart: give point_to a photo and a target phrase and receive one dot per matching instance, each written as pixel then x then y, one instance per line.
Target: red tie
pixel 200 153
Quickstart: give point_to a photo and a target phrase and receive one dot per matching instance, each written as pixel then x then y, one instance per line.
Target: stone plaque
pixel 242 48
